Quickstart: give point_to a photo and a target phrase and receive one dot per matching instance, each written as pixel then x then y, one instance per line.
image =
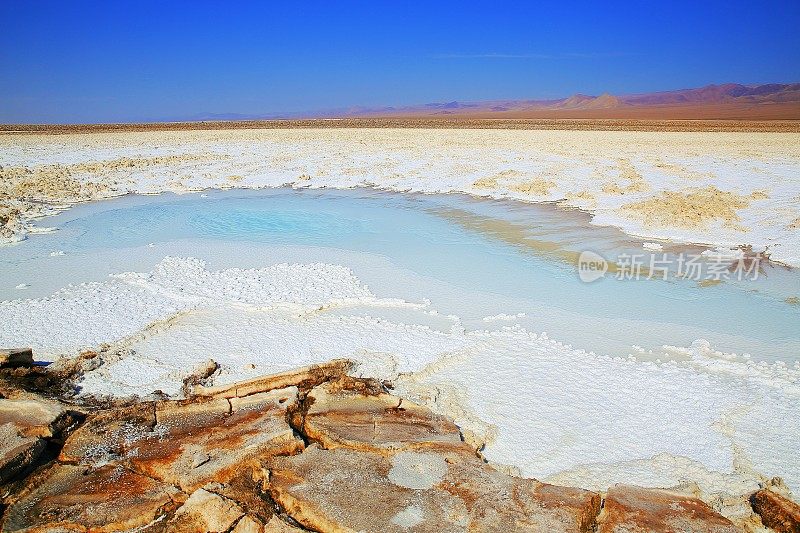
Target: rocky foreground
pixel 308 450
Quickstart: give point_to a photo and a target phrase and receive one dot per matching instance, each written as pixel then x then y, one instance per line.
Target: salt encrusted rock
pixel 447 490
pixel 109 435
pixel 345 412
pixel 572 503
pixel 207 512
pixel 247 489
pixel 777 512
pixel 212 447
pixel 56 379
pixel 12 228
pixel 305 377
pixel 250 524
pixel 191 443
pixel 12 357
pixel 378 464
pixel 185 414
pixel 72 498
pixel 199 376
pixel 630 509
pixel 349 490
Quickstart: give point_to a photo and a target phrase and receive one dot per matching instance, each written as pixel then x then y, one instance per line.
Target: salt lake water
pixel 489 263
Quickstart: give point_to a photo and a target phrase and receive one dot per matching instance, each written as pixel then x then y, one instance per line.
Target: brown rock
pixel 206 444
pixel 276 525
pixel 777 512
pixel 17 452
pixel 248 524
pixel 13 357
pixel 576 506
pixel 632 509
pixel 206 512
pixel 188 443
pixel 302 378
pixel 199 376
pixel 57 378
pixel 25 423
pixel 340 416
pixel 499 502
pixel 69 497
pixel 34 417
pixel 349 490
pixel 378 463
pixel 247 489
pixel 447 490
pixel 185 414
pixel 203 436
pixel 109 435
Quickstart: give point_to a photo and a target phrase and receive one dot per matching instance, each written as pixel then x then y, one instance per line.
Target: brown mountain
pixel 576 101
pixel 714 94
pixel 604 101
pixel 774 101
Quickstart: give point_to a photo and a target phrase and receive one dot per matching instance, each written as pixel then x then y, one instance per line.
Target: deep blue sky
pixel 119 61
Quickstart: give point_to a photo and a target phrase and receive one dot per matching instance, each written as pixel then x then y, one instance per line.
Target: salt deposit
pixel 683 413
pixel 650 184
pixel 592 418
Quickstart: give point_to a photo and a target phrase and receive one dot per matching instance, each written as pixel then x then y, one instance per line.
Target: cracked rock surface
pixel 633 509
pixel 308 450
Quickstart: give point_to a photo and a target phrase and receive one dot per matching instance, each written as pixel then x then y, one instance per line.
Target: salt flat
pixel 722 188
pixel 539 405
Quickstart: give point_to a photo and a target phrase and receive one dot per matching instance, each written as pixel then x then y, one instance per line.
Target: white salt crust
pixel 597 171
pixel 542 408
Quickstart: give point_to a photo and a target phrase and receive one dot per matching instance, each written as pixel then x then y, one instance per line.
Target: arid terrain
pixel 727 107
pixel 132 416
pixel 654 122
pixel 396 267
pixel 731 187
pixel 730 101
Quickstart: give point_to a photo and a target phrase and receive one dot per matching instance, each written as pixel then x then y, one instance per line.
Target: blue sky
pixel 120 61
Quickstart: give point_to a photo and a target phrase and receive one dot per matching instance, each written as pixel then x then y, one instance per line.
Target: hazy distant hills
pixel 711 94
pixel 774 101
pixel 716 94
pixel 582 101
pixel 731 100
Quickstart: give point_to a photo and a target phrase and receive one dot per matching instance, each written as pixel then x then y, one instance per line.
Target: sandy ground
pixel 777 120
pixel 718 188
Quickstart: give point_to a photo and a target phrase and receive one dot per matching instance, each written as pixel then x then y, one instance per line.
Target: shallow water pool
pixel 489 263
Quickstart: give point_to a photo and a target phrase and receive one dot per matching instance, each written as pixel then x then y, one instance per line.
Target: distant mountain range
pixel 731 100
pixel 774 101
